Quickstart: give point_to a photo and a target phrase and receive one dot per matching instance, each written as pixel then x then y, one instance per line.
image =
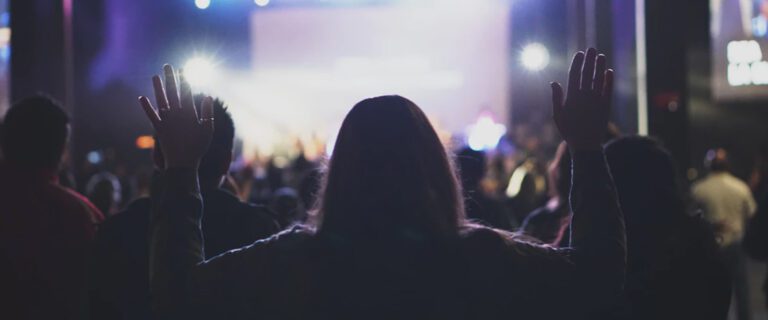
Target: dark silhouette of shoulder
pixel 229 223
pixel 120 288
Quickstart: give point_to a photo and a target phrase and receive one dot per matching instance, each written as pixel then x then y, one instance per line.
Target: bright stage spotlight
pixel 199 71
pixel 261 3
pixel 202 4
pixel 535 57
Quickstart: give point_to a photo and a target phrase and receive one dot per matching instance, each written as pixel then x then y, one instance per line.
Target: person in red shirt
pixel 45 229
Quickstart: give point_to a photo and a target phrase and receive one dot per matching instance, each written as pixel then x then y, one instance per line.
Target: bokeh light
pixel 535 57
pixel 202 4
pixel 199 71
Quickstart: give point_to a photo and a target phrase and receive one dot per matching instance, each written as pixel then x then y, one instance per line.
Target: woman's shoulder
pixel 290 239
pixel 482 237
pixel 291 236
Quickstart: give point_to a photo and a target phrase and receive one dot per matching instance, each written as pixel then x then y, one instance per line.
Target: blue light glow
pixel 94 157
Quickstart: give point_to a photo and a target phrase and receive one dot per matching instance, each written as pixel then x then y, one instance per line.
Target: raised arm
pixel 598 250
pixel 176 244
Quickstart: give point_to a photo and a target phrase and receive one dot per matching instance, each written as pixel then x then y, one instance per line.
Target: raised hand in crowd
pixel 183 135
pixel 581 114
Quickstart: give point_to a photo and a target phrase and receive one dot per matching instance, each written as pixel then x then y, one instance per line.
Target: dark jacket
pixel 674 271
pixel 479 274
pixel 122 250
pixel 46 231
pixel 756 238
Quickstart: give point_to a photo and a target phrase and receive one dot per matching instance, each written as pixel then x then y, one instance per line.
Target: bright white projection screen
pixel 312 64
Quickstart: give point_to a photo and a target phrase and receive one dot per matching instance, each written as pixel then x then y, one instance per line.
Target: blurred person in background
pixel 479 207
pixel 551 222
pixel 121 286
pixel 525 189
pixel 308 189
pixel 727 204
pixel 674 267
pixel 287 207
pixel 756 237
pixel 47 229
pixel 104 190
pixel 758 180
pixel 229 184
pixel 142 182
pixel 760 20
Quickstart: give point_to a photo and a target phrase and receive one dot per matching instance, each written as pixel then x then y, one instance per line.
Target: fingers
pixel 588 70
pixel 599 74
pixel 607 93
pixel 187 100
pixel 171 91
pixel 574 73
pixel 207 113
pixel 151 114
pixel 557 100
pixel 162 101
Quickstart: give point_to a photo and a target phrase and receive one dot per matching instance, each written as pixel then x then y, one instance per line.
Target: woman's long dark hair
pixel 389 174
pixel 649 193
pixel 646 180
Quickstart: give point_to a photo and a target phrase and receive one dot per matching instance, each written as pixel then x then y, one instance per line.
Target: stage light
pixel 485 133
pixel 145 142
pixel 202 4
pixel 515 184
pixel 534 57
pixel 199 71
pixel 261 3
pixel 94 157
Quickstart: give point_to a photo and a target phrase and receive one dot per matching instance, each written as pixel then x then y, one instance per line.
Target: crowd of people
pixel 391 225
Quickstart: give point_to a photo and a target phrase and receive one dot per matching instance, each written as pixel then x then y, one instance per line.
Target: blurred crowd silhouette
pixel 393 224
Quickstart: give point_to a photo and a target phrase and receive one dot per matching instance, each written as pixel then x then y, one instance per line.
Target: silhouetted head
pixel 34 133
pixel 215 164
pixel 716 160
pixel 389 174
pixel 471 168
pixel 286 205
pixel 103 189
pixel 646 180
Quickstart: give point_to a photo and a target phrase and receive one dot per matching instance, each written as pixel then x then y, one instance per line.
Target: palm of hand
pixel 582 115
pixel 183 136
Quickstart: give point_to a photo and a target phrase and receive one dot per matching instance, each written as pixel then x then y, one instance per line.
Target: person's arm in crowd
pixel 176 244
pixel 750 204
pixel 183 283
pixel 176 241
pixel 597 227
pixel 591 271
